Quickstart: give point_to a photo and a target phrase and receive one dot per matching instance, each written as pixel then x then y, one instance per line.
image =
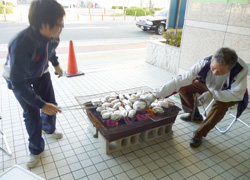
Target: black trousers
pixel 35 120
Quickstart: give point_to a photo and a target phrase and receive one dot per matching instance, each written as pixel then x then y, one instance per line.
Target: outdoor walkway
pixel 79 156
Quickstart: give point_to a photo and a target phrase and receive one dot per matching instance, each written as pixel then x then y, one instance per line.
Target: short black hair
pixel 45 12
pixel 226 56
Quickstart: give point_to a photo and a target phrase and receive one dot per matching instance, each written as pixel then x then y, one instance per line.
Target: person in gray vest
pixel 222 76
pixel 27 73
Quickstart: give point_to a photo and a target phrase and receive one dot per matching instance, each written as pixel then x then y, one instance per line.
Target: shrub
pixel 9 4
pixel 8 9
pixel 119 7
pixel 173 38
pixel 139 11
pixel 152 11
pixel 157 9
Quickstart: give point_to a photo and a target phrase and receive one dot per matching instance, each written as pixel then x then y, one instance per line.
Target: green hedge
pixel 173 38
pixel 8 8
pixel 9 4
pixel 158 9
pixel 118 7
pixel 139 11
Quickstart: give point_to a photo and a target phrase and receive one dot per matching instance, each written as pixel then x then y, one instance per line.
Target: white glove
pixel 148 98
pixel 203 98
pixel 58 71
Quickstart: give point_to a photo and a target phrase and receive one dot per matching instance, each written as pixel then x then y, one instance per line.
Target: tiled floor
pixel 79 156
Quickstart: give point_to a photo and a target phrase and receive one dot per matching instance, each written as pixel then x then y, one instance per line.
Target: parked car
pixel 155 23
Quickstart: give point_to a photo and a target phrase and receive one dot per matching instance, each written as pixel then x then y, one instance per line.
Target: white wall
pixel 210 26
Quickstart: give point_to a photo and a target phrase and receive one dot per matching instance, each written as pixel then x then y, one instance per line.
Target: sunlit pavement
pixel 112 66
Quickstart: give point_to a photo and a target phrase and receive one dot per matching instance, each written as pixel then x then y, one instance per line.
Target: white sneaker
pixel 56 134
pixel 33 160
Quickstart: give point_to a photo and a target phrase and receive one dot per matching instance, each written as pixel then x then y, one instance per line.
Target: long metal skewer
pixel 76 108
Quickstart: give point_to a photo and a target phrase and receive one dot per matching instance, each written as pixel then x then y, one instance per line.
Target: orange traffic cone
pixel 72 65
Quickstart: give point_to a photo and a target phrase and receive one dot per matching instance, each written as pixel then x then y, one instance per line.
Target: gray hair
pixel 226 56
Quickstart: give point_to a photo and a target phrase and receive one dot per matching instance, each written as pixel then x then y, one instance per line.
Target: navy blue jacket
pixel 28 56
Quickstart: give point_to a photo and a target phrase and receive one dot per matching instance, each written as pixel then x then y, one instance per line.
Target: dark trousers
pixel 214 116
pixel 35 120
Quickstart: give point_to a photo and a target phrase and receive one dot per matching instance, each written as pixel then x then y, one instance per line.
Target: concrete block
pixel 156 132
pixel 93 130
pixel 119 144
pixel 168 128
pixel 132 140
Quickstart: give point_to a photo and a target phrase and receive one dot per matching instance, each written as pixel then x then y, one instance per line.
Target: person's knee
pixel 184 93
pixel 31 115
pixel 220 106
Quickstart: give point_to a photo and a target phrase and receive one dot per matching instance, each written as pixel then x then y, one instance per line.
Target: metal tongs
pixel 195 105
pixel 87 105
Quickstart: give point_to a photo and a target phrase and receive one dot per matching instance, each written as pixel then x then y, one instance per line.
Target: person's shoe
pixel 196 142
pixel 33 160
pixel 188 117
pixel 56 134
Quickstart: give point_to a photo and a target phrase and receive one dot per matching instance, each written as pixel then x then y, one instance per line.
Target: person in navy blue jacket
pixel 222 76
pixel 27 74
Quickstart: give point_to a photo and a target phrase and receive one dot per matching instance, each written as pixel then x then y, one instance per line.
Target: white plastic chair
pixel 235 119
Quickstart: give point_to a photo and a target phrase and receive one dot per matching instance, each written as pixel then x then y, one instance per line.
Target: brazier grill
pixel 143 122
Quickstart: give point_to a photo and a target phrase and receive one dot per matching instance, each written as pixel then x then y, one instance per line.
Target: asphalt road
pixel 85 31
